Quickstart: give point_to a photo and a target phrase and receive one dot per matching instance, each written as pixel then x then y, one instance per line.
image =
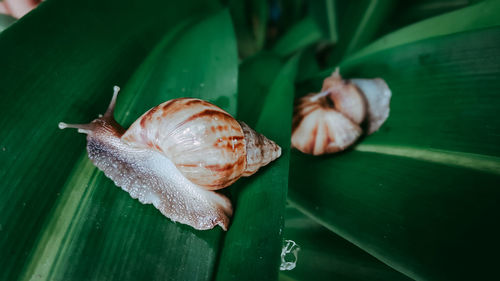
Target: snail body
pixel 175 155
pixel 333 119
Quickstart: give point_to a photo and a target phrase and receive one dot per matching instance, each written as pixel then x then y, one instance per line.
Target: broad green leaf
pixel 412 11
pixel 358 22
pixel 255 77
pixel 108 218
pixel 481 15
pixel 182 66
pixel 300 35
pixel 318 24
pixel 418 195
pixel 421 194
pixel 99 220
pixel 324 13
pixel 309 64
pixel 37 157
pixel 250 22
pixel 5 21
pixel 285 13
pixel 253 242
pixel 323 255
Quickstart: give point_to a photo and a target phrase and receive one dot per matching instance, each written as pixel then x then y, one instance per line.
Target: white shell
pixel 325 131
pixel 378 97
pixel 331 121
pixel 206 144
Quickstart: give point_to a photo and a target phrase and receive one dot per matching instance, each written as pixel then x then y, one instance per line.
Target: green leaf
pixel 420 194
pixel 300 35
pixel 183 65
pixel 324 13
pixel 255 77
pixel 82 226
pixel 250 22
pixel 318 25
pixel 358 22
pixel 412 11
pixel 253 242
pixel 309 66
pixel 285 13
pixel 5 21
pixel 482 15
pixel 323 255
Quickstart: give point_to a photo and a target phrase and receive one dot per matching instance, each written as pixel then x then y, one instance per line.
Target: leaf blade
pixel 300 35
pixel 77 68
pixel 256 232
pixel 480 15
pixel 418 189
pixel 107 234
pixel 323 255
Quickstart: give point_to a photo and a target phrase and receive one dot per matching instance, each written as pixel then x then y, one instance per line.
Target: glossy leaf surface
pixel 419 195
pixel 325 15
pixel 6 21
pixel 253 243
pixel 481 15
pixel 422 191
pixel 323 255
pixel 358 22
pixel 413 11
pixel 250 19
pixel 255 77
pixel 92 222
pixel 301 35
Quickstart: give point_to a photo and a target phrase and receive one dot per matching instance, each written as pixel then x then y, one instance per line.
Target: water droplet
pixel 289 255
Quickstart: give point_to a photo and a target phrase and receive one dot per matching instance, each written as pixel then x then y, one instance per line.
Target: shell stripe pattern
pixel 318 128
pixel 205 143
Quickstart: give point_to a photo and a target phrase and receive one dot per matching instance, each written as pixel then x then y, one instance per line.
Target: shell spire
pixel 260 150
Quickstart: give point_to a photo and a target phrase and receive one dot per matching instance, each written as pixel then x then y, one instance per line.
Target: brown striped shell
pixel 331 121
pixel 207 145
pixel 176 155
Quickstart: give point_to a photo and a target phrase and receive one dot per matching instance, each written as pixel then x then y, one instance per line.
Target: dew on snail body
pixel 175 155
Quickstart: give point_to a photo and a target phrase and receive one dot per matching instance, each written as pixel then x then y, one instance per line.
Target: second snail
pixel 333 119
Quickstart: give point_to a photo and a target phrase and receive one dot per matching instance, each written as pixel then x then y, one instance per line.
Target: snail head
pixel 104 122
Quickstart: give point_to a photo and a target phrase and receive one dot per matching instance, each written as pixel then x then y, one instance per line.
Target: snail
pixel 17 8
pixel 333 119
pixel 176 155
